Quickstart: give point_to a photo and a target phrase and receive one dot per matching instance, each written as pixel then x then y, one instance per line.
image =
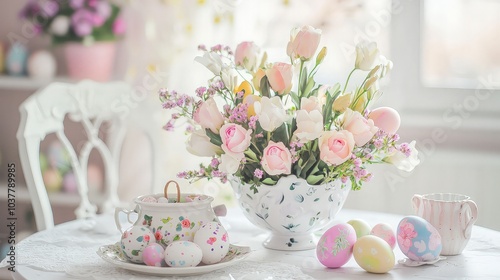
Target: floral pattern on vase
pixel 292 209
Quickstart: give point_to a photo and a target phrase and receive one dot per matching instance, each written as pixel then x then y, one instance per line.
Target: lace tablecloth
pixel 70 250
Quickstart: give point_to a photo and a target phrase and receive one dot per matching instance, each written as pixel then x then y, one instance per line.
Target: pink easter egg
pixel 385 232
pixel 335 245
pixel 386 119
pixel 153 255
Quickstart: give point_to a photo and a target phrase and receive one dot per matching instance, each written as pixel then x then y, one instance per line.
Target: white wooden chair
pixel 91 104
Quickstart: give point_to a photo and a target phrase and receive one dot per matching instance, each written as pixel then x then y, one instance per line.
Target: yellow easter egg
pixel 373 254
pixel 361 227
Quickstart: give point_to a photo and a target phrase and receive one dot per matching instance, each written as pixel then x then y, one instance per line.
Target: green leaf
pixel 309 86
pixel 264 87
pixel 166 220
pixel 251 154
pixel 269 181
pixel 177 237
pixel 303 81
pixel 281 134
pixel 314 179
pixel 214 138
pixel 135 252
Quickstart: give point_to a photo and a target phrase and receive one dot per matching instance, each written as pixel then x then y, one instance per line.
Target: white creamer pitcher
pixel 453 215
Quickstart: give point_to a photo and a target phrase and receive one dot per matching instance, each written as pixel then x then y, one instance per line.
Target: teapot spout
pixel 220 210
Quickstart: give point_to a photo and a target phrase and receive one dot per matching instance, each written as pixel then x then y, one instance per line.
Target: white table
pixel 479 260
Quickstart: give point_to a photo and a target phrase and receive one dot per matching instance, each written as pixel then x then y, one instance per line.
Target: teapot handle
pixel 117 218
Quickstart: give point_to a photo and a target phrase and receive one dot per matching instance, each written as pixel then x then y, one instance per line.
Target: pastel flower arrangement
pixel 75 20
pixel 260 120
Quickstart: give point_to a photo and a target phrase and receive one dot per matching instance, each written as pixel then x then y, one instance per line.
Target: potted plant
pixel 88 30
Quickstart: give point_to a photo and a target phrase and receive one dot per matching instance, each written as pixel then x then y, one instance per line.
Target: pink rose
pixel 209 116
pixel 335 146
pixel 246 55
pixel 280 77
pixel 361 128
pixel 277 159
pixel 235 139
pixel 185 223
pixel 386 119
pixel 303 42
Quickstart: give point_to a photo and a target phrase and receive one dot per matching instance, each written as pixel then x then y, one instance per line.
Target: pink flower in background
pixel 361 128
pixel 82 22
pixel 280 77
pixel 406 234
pixel 277 159
pixel 50 8
pixel 76 4
pixel 335 146
pixel 246 55
pixel 303 42
pixel 98 20
pixel 103 9
pixel 235 139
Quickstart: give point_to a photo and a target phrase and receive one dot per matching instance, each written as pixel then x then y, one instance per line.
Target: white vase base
pixel 290 242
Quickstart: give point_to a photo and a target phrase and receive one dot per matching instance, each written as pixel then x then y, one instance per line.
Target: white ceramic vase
pixel 292 209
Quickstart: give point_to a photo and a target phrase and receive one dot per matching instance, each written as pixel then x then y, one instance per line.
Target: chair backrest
pixel 91 104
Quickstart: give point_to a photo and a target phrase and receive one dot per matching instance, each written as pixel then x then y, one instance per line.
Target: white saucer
pixel 112 254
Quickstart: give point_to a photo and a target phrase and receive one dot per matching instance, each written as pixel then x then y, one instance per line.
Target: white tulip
pixel 309 125
pixel 229 164
pixel 199 144
pixel 271 113
pixel 212 61
pixel 367 55
pixel 402 162
pixel 60 25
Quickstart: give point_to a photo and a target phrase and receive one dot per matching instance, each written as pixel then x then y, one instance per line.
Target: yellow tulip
pixel 342 102
pixel 257 77
pixel 250 100
pixel 245 87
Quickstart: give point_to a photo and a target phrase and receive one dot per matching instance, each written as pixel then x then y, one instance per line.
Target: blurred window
pixel 459 42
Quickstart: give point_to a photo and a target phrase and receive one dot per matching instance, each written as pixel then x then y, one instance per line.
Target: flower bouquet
pixel 291 147
pixel 259 121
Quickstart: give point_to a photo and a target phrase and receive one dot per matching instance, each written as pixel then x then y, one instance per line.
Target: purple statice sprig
pixel 183 105
pixel 209 172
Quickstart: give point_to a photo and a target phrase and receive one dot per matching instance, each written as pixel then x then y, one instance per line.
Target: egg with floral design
pixel 153 255
pixel 335 245
pixel 385 232
pixel 418 239
pixel 133 242
pixel 183 254
pixel 213 241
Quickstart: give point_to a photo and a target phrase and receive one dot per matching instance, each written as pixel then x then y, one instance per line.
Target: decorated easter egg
pixel 418 239
pixel 373 254
pixel 183 254
pixel 361 227
pixel 133 242
pixel 41 65
pixel 213 241
pixel 335 245
pixel 385 232
pixel 153 255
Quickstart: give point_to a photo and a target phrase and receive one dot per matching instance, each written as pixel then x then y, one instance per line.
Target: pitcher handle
pixel 417 203
pixel 473 209
pixel 117 219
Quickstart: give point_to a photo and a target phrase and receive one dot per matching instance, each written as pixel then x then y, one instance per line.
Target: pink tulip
pixel 386 118
pixel 303 42
pixel 277 159
pixel 209 116
pixel 235 139
pixel 335 146
pixel 246 55
pixel 280 77
pixel 361 128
